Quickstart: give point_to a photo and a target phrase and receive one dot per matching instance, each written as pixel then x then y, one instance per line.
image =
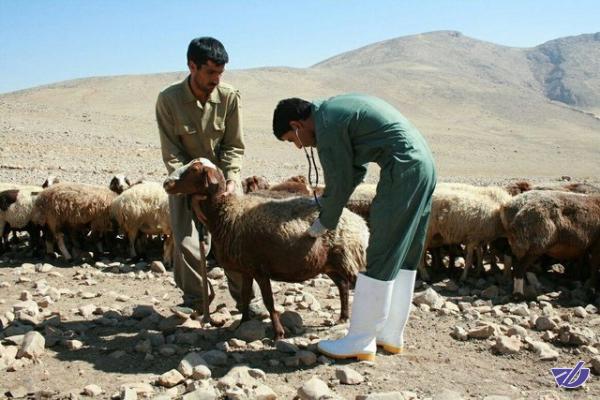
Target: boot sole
pixel 389 348
pixel 360 357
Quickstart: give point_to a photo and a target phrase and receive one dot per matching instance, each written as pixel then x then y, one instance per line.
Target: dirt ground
pixel 81 146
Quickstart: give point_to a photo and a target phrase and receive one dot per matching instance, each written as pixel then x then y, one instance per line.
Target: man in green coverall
pixel 350 131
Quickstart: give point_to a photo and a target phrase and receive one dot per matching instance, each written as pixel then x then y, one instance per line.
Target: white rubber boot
pixel 370 309
pixel 391 337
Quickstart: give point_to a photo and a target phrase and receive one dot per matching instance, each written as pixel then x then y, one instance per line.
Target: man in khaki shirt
pixel 200 117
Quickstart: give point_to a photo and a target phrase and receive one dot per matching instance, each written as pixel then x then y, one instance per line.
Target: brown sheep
pixel 565 226
pixel 266 239
pixel 73 205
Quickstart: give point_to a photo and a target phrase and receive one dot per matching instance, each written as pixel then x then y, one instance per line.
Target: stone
pixel 238 344
pixel 314 389
pixel 447 394
pixel 459 333
pixel 32 346
pixel 206 392
pixel 348 376
pixel 292 321
pixel 521 310
pixel 580 312
pixel 144 390
pixel 43 268
pixel 286 347
pixel 595 361
pixel 545 324
pixel 382 396
pixel 430 298
pixel 251 330
pixel 216 273
pixel 189 362
pixel 215 357
pixel 263 392
pixel 240 376
pixel 18 392
pixel 307 358
pixel 87 311
pixel 543 350
pixel 158 267
pixel 517 330
pixel 201 372
pixel 170 378
pixel 73 344
pixel 482 332
pixel 92 390
pixel 491 292
pixel 507 345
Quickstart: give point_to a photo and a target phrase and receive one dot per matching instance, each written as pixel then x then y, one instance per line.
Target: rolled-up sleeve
pixel 172 153
pixel 232 146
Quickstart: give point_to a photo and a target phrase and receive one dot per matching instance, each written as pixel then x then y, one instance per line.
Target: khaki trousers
pixel 186 252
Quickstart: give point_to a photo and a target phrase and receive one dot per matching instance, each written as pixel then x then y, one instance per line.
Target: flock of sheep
pixel 520 222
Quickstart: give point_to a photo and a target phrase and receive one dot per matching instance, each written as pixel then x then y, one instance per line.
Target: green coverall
pixel 353 130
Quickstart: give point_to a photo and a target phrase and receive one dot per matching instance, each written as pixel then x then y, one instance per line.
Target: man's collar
pixel 189 95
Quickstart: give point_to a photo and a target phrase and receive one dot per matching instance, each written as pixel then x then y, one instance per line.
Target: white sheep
pixel 466 214
pixel 144 208
pixel 15 212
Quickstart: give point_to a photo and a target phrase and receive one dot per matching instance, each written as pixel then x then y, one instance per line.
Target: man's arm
pixel 172 152
pixel 232 146
pixel 335 153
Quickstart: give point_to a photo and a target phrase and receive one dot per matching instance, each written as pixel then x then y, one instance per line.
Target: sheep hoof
pixel 518 297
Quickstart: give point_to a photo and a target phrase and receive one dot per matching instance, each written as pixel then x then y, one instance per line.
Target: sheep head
pixel 200 176
pixel 255 183
pixel 119 183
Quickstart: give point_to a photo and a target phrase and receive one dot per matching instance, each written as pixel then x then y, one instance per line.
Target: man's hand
pixel 229 188
pixel 316 229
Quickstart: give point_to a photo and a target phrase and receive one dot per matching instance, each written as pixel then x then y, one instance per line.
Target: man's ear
pixel 192 66
pixel 295 125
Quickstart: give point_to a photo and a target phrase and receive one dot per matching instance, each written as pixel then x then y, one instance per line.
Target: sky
pixel 47 41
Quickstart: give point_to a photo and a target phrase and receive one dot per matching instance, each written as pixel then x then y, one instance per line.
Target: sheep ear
pixel 211 176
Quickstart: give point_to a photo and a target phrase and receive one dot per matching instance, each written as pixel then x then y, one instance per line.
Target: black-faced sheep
pixel 119 183
pixel 266 239
pixel 144 208
pixel 565 226
pixel 74 205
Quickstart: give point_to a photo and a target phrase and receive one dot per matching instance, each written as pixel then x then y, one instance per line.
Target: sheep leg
pixel 168 250
pixel 508 260
pixel 523 264
pixel 267 295
pixel 60 238
pixel 344 287
pixel 246 296
pixel 205 294
pixel 480 267
pixel 422 269
pixel 2 239
pixel 533 281
pixel 132 236
pixel 468 262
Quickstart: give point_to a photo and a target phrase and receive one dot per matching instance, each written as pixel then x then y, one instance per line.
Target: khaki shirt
pixel 189 130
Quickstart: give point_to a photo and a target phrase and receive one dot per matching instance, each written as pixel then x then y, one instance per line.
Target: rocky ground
pixel 105 329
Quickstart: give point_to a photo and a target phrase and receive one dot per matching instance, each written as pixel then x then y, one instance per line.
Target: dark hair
pixel 287 110
pixel 203 49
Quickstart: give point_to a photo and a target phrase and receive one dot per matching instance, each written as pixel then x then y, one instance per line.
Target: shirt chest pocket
pixel 185 129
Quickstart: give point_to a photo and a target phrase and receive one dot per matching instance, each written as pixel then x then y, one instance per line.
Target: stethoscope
pixel 311 164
